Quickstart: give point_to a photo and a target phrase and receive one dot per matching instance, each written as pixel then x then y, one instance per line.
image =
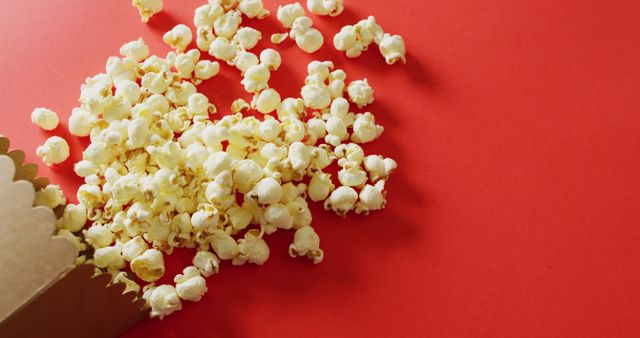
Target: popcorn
pixel 360 93
pixel 109 258
pixel 392 48
pixel 136 50
pixel 306 242
pixel 206 15
pixel 287 14
pixel 74 217
pixel 320 186
pixel 54 151
pixel 45 118
pixel 134 248
pixel 207 263
pixel 267 101
pixel 246 38
pixel 307 38
pixel 271 58
pixel 190 285
pixel 149 266
pixel 148 8
pixel 179 37
pixel 252 248
pixel 371 198
pixel 253 9
pixel 164 300
pixel 130 285
pixel 325 7
pixel 341 200
pixel 279 38
pixel 50 196
pixel 160 174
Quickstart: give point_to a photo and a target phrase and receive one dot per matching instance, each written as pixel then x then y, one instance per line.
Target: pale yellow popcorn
pixel 204 38
pixel 279 38
pixel 307 38
pixel 205 15
pixel 227 25
pixel 149 266
pixel 54 151
pixel 74 218
pixel 267 101
pixel 253 9
pixel 320 186
pixel 392 48
pixel 45 118
pixel 252 248
pixel 109 258
pixel 190 285
pixel 50 196
pixel 134 248
pixel 325 7
pixel 148 8
pixel 205 69
pixel 271 58
pixel 222 49
pixel 372 197
pixel 341 200
pixel 130 285
pixel 224 245
pixel 179 37
pixel 360 93
pixel 287 14
pixel 246 38
pixel 256 78
pixel 164 300
pixel 64 233
pixel 207 263
pixel 245 60
pixel 136 50
pixel 306 242
pixel 278 217
pixel 351 175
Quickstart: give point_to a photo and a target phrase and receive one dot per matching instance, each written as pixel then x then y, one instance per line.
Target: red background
pixel 515 209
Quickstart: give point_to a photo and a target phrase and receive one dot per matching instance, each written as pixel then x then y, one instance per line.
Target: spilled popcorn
pixel 164 171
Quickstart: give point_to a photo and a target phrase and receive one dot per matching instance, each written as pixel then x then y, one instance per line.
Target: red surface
pixel 514 213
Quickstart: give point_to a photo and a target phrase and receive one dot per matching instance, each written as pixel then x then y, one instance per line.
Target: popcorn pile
pixel 160 173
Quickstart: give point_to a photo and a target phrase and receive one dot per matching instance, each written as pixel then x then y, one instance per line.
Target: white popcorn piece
pixel 190 285
pixel 287 14
pixel 278 38
pixel 320 186
pixel 351 175
pixel 206 15
pixel 227 25
pixel 179 37
pixel 164 300
pixel 205 69
pixel 307 38
pixel 204 38
pixel 130 285
pixel 134 248
pixel 246 38
pixel 325 7
pixel 278 217
pixel 365 128
pixel 81 122
pixel 360 93
pixel 372 197
pixel 74 217
pixel 392 48
pixel 245 60
pixel 45 118
pixel 271 58
pixel 252 248
pixel 267 191
pixel 207 263
pixel 136 50
pixel 50 196
pixel 256 78
pixel 306 242
pixel 54 151
pixel 341 200
pixel 149 266
pixel 98 236
pixel 108 258
pixel 224 245
pixel 253 9
pixel 267 101
pixel 147 8
pixel 221 48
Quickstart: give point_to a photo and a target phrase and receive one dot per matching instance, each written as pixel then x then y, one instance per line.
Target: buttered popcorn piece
pixel 360 93
pixel 392 48
pixel 207 263
pixel 252 248
pixel 109 257
pixel 149 266
pixel 190 285
pixel 148 8
pixel 54 151
pixel 325 7
pixel 253 9
pixel 45 118
pixel 267 101
pixel 179 37
pixel 164 300
pixel 287 14
pixel 50 196
pixel 341 200
pixel 306 242
pixel 307 38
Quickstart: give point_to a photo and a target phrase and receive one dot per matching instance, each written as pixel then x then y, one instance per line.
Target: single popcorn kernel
pixel 54 151
pixel 147 8
pixel 179 37
pixel 45 118
pixel 149 266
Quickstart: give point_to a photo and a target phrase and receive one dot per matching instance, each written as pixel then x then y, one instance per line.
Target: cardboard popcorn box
pixel 42 292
